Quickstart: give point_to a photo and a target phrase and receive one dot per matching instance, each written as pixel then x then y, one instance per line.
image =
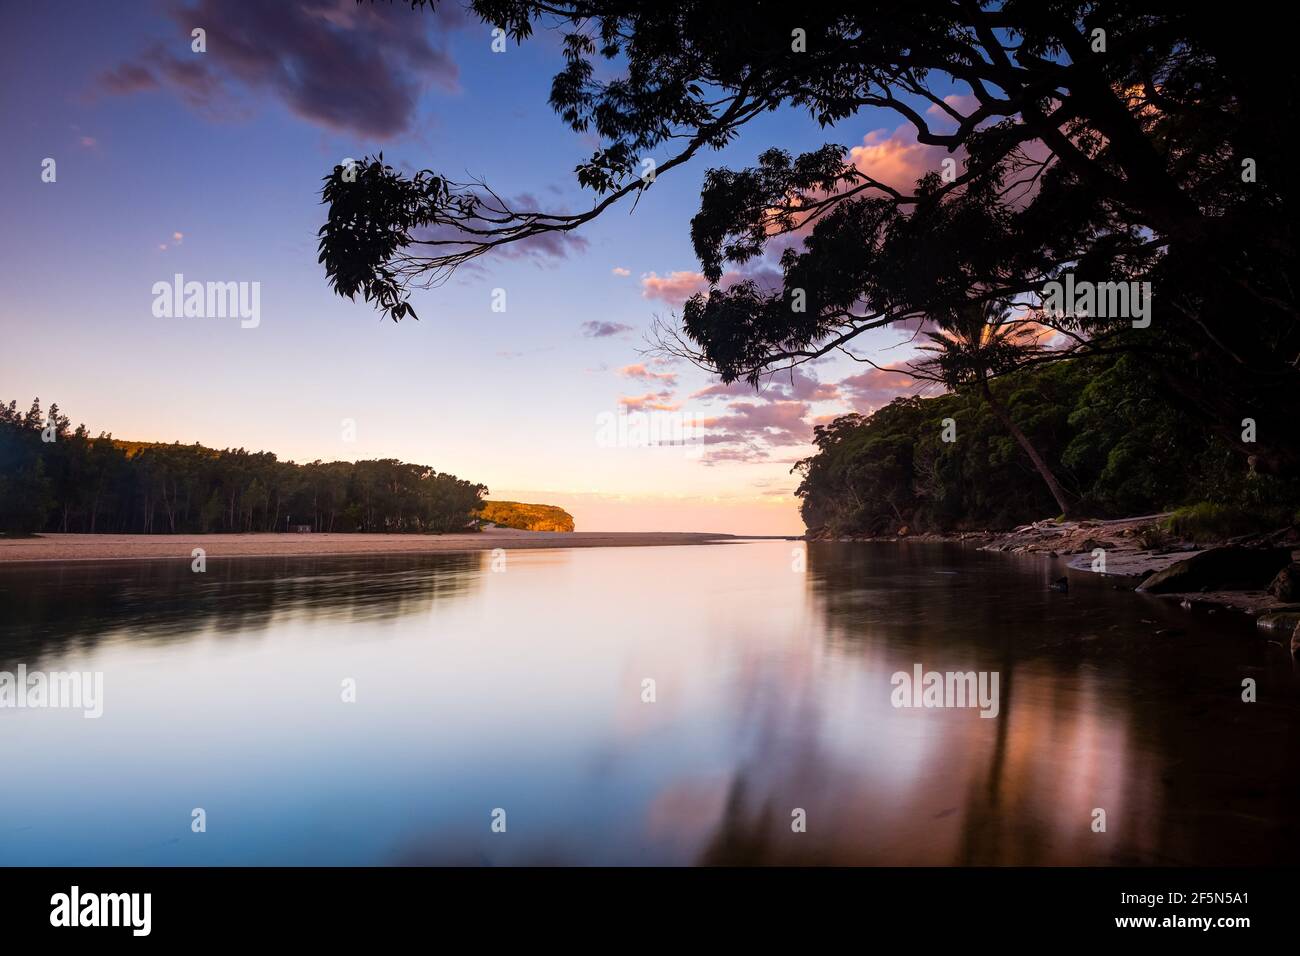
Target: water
pixel 522 691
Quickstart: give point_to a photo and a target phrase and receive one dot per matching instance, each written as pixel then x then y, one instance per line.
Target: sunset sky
pixel 210 165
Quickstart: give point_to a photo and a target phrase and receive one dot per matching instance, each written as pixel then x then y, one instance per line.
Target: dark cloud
pixel 357 69
pixel 603 330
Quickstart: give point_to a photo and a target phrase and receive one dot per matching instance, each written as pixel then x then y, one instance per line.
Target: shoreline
pixel 78 548
pixel 1128 562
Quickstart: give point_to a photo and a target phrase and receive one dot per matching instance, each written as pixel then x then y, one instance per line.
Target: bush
pixel 1207 521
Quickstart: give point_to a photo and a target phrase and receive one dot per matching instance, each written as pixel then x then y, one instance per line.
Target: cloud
pixel 964 103
pixel 744 454
pixel 620 271
pixel 789 384
pixel 356 69
pixel 178 238
pixel 645 374
pixel 650 402
pixel 896 159
pixel 603 330
pixel 676 287
pixel 877 387
pixel 773 423
pixel 88 142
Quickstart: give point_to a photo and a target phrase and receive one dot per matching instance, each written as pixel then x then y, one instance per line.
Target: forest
pixel 1107 430
pixel 54 478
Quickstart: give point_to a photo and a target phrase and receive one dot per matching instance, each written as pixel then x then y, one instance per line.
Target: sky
pixel 209 165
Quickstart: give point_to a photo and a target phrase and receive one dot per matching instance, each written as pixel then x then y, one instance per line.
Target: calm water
pixel 522 690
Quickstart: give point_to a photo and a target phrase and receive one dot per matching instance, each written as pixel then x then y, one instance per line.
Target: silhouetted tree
pixel 72 482
pixel 1117 141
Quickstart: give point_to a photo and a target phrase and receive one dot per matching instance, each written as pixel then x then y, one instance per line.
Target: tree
pixel 977 342
pixel 1113 141
pixel 75 483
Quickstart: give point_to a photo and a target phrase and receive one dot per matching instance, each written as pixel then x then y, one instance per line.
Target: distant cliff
pixel 526 517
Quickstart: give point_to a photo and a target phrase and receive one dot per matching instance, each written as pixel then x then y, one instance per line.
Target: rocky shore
pixel 1256 574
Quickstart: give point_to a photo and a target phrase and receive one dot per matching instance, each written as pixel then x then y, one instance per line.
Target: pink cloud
pixel 645 374
pixel 963 103
pixel 877 387
pixel 650 402
pixel 674 288
pixel 774 423
pixel 897 159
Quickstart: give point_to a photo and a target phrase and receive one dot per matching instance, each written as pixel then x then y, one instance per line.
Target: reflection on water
pixel 522 690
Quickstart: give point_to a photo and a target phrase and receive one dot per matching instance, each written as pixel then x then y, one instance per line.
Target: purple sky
pixel 209 165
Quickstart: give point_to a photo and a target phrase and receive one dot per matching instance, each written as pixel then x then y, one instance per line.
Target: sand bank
pixel 115 547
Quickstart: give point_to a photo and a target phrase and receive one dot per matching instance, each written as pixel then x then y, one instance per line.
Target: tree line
pixel 1114 438
pixel 54 478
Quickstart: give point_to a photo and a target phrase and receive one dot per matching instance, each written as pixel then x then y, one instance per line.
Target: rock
pixel 1220 569
pixel 1286 586
pixel 1060 584
pixel 903 531
pixel 1295 640
pixel 1285 621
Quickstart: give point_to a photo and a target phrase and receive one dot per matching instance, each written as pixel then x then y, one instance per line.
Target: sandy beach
pixel 116 547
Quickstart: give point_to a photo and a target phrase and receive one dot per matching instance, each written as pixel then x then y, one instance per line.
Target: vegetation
pixel 1103 425
pixel 1111 142
pixel 1123 145
pixel 525 517
pixel 53 478
pixel 1208 521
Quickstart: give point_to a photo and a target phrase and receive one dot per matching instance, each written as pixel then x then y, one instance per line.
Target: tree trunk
pixel 1054 486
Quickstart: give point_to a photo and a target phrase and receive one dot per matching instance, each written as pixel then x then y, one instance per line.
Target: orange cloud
pixel 650 402
pixel 645 374
pixel 896 160
pixel 674 288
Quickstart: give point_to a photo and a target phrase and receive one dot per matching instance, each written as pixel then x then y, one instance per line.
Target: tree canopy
pixel 1113 141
